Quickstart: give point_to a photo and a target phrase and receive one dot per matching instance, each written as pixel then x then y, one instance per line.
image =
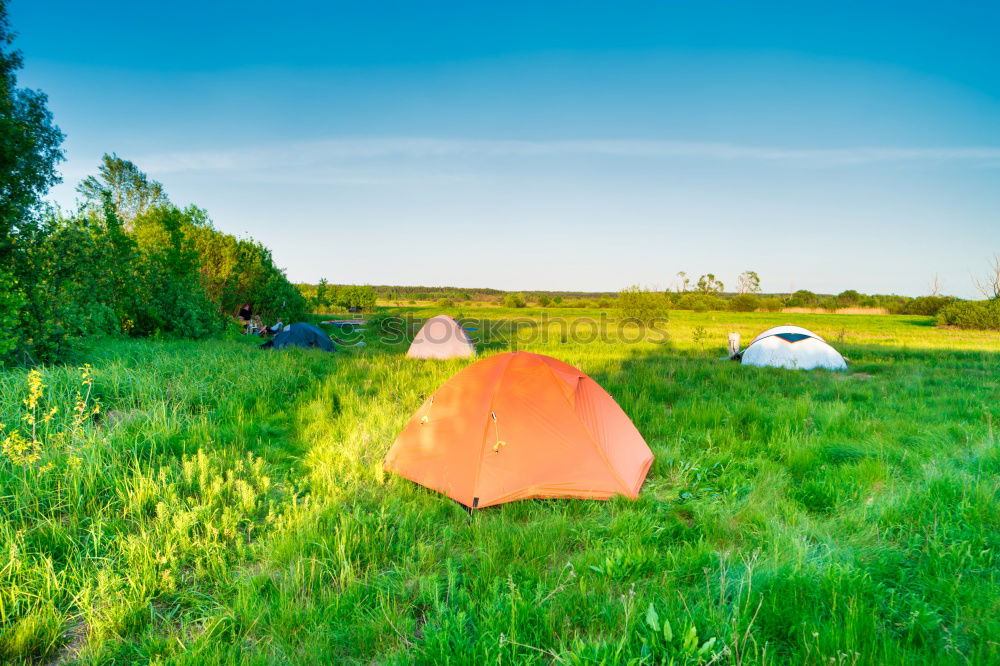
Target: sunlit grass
pixel 229 505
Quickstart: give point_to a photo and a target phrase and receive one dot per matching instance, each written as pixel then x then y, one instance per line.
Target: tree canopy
pixel 30 148
pixel 132 191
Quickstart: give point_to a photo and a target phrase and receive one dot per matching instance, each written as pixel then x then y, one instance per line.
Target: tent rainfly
pixel 441 337
pixel 517 426
pixel 300 335
pixel 792 347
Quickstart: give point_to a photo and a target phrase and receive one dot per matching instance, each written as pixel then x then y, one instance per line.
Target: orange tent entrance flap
pixel 518 426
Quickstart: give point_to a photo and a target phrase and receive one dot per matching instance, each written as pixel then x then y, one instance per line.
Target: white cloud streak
pixel 376 150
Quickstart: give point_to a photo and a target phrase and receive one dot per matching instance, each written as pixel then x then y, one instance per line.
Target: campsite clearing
pixel 230 504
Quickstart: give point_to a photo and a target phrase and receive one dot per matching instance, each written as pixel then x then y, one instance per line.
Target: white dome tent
pixel 792 347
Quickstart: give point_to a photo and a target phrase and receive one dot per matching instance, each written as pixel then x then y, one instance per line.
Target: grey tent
pixel 301 335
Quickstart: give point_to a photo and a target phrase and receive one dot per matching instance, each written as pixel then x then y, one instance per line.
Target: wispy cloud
pixel 370 150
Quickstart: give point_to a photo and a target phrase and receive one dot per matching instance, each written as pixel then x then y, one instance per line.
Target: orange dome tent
pixel 517 426
pixel 441 337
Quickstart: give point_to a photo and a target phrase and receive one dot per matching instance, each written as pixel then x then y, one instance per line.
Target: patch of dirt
pixel 76 641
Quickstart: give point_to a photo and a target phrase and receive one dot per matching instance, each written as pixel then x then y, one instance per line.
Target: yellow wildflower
pixel 20 450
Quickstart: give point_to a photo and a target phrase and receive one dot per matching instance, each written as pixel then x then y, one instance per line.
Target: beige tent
pixel 441 337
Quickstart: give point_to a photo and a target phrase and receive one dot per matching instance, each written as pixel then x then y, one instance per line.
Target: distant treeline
pixel 694 299
pixel 485 294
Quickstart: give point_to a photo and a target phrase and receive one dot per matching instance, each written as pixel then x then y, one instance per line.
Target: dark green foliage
pixel 893 303
pixel 980 315
pixel 321 300
pixel 701 302
pixel 172 274
pixel 29 145
pixel 235 271
pixel 643 305
pixel 745 303
pixel 772 304
pixel 29 150
pixel 849 298
pixel 175 301
pixel 85 283
pixel 355 296
pixel 830 304
pixel 803 298
pixel 514 301
pixel 927 305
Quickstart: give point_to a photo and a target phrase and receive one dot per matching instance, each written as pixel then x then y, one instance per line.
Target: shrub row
pixel 979 315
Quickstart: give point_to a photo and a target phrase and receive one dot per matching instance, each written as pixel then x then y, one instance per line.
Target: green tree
pixel 74 293
pixel 30 148
pixel 803 298
pixel 174 299
pixel 132 191
pixel 748 283
pixel 643 304
pixel 354 296
pixel 707 284
pixel 849 298
pixel 543 301
pixel 321 299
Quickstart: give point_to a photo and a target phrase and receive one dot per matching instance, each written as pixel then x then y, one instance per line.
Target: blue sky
pixel 559 145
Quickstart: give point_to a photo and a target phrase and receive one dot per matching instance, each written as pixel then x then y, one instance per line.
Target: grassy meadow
pixel 200 503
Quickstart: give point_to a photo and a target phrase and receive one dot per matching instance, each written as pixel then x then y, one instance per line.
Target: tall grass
pixel 227 504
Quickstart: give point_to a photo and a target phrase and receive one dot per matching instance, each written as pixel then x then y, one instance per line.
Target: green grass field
pixel 229 505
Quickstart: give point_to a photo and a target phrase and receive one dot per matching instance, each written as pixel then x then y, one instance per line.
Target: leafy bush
pixel 514 301
pixel 172 298
pixel 745 303
pixel 643 305
pixel 235 270
pixel 543 301
pixel 772 304
pixel 927 305
pixel 849 298
pixel 171 274
pixel 701 302
pixel 445 303
pixel 978 315
pixel 803 298
pixel 577 303
pixel 355 296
